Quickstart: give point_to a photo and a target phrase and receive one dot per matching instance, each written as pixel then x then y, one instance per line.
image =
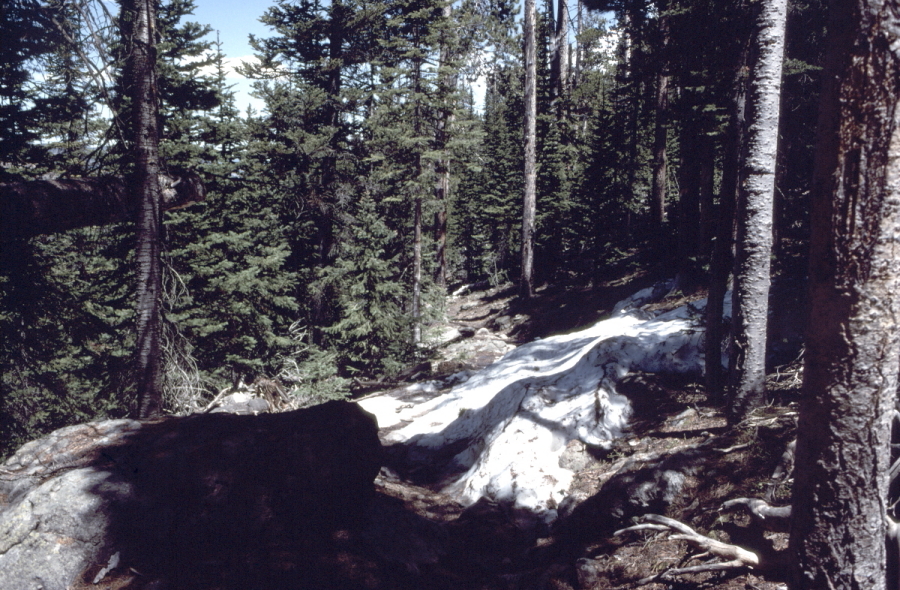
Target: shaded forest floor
pixel 412 537
pixel 489 546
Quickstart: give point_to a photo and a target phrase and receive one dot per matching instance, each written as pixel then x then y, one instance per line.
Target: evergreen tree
pixel 372 334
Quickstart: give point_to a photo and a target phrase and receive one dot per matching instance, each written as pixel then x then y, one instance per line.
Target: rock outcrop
pixel 183 502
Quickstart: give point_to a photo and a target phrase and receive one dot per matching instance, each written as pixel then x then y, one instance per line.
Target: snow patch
pixel 514 418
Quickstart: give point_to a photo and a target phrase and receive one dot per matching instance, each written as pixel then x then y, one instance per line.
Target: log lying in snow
pixel 39 207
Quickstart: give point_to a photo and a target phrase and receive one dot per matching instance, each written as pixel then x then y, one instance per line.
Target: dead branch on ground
pixel 735 557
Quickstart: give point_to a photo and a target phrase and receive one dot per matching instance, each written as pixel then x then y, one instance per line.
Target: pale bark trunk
pixel 141 68
pixel 530 138
pixel 754 213
pixel 853 339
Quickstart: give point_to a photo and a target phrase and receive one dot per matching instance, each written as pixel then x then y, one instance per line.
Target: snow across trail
pixel 513 419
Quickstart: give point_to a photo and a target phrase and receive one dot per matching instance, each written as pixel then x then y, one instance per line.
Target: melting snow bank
pixel 508 424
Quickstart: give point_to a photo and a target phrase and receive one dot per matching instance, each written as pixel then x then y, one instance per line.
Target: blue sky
pixel 235 20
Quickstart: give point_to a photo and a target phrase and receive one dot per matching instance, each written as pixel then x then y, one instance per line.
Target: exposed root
pixel 735 557
pixel 770 518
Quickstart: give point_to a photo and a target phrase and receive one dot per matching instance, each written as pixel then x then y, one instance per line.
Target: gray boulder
pixel 182 502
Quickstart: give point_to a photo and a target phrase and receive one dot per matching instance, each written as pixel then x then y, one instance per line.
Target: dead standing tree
pixel 529 204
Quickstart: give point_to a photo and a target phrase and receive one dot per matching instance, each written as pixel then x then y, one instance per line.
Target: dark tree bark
pixel 416 303
pixel 28 209
pixel 660 158
pixel 721 258
pixel 139 30
pixel 853 339
pixel 707 154
pixel 689 208
pixel 530 138
pixel 661 132
pixel 446 82
pixel 754 212
pixel 323 193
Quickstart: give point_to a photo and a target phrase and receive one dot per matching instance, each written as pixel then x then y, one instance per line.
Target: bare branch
pixel 772 518
pixel 737 557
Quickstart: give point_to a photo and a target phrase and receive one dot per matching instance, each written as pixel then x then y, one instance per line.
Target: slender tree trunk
pixel 441 195
pixel 689 208
pixel 442 166
pixel 323 195
pixel 560 64
pixel 853 339
pixel 417 270
pixel 660 134
pixel 579 49
pixel 337 25
pixel 754 212
pixel 139 19
pixel 721 259
pixel 417 206
pixel 706 151
pixel 530 198
pixel 660 159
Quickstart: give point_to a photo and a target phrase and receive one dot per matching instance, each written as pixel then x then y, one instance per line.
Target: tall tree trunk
pixel 139 18
pixel 337 26
pixel 660 134
pixel 530 138
pixel 323 195
pixel 689 208
pixel 579 49
pixel 660 159
pixel 559 69
pixel 442 166
pixel 417 205
pixel 721 259
pixel 754 212
pixel 853 339
pixel 707 154
pixel 417 270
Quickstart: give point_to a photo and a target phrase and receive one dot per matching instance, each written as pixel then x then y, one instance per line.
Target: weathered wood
pixel 36 207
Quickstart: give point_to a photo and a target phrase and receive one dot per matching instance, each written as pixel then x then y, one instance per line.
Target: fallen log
pixel 36 207
pixel 188 502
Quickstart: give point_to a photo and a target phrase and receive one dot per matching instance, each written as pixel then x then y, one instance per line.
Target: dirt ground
pixel 413 537
pixel 489 546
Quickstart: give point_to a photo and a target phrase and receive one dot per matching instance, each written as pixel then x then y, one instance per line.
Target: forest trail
pixel 492 544
pixel 677 457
